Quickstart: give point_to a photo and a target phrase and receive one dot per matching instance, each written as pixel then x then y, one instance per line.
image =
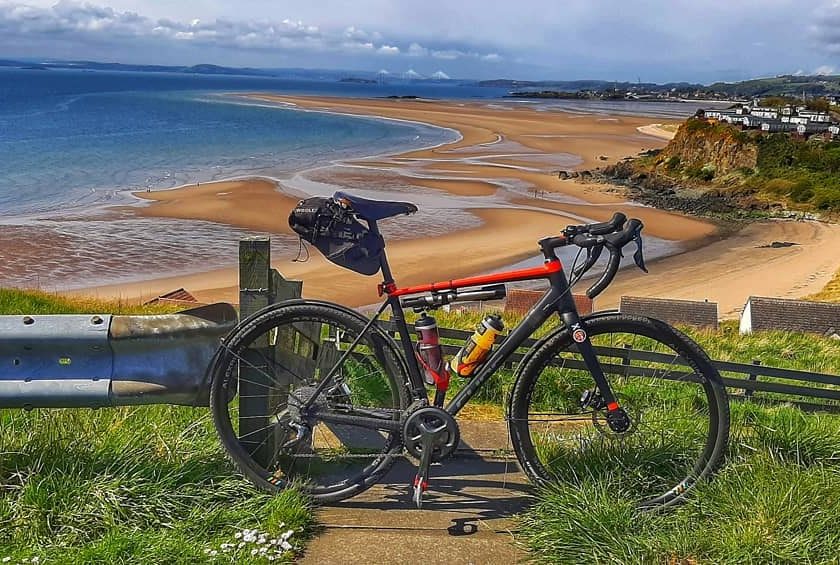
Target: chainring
pixel 430 426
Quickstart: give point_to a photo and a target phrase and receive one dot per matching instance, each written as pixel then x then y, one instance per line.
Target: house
pixel 752 122
pixel 689 312
pixel 762 112
pixel 811 128
pixel 775 126
pixel 794 119
pixel 822 117
pixel 178 296
pixel 763 314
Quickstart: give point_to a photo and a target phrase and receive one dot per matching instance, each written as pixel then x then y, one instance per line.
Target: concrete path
pixel 466 517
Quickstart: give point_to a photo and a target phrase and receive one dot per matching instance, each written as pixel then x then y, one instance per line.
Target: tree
pixel 818 105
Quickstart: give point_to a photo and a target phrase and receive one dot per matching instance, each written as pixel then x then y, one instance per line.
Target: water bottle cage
pixel 440 375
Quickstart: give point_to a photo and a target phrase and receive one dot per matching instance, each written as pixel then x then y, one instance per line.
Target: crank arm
pixel 421 480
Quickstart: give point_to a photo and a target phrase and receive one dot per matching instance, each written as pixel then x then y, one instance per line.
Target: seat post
pixel 387 277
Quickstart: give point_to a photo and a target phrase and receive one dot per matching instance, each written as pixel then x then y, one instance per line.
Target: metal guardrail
pixel 798 393
pixel 75 361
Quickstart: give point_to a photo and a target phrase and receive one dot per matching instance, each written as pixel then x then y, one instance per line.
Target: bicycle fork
pixel 617 418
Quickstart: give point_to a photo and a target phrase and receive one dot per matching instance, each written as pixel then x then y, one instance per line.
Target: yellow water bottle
pixel 475 351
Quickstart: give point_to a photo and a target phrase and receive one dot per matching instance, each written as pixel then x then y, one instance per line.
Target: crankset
pixel 430 434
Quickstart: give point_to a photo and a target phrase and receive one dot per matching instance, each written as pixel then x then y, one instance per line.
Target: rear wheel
pixel 273 364
pixel 678 409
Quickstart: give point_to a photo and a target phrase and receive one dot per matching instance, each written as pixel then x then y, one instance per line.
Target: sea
pixel 74 143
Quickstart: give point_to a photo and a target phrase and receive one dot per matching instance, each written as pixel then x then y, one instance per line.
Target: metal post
pixel 256 371
pixel 749 392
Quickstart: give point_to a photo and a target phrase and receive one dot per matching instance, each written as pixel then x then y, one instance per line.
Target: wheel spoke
pixel 656 377
pixel 305 344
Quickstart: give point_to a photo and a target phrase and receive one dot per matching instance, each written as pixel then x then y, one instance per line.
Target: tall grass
pixel 831 291
pixel 775 502
pixel 13 301
pixel 127 485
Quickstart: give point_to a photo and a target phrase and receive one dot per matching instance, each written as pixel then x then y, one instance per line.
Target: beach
pixel 502 171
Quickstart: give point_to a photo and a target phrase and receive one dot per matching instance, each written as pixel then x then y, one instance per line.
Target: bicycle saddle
pixel 373 210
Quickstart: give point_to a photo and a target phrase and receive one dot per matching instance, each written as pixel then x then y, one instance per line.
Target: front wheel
pixel 274 365
pixel 673 395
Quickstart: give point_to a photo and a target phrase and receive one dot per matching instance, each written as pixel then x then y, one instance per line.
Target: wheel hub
pixel 616 423
pixel 431 429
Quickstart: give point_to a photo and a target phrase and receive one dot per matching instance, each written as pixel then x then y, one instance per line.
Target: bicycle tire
pixel 277 318
pixel 558 350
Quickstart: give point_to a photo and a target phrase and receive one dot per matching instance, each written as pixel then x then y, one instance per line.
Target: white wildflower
pixel 35 559
pixel 271 557
pixel 285 545
pixel 237 535
pixel 207 550
pixel 5 559
pixel 253 552
pixel 241 545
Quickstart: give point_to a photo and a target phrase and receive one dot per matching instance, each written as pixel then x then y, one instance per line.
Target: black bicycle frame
pixel 557 299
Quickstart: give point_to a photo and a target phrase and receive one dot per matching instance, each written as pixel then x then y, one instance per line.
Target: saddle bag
pixel 335 231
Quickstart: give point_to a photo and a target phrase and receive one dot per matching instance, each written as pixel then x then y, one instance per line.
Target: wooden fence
pixel 260 285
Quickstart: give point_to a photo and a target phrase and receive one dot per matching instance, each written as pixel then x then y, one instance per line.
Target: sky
pixel 648 40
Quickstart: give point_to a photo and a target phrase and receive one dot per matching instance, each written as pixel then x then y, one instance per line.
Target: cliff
pixel 713 168
pixel 716 148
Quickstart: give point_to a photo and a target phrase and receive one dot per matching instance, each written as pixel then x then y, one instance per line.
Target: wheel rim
pixel 673 418
pixel 275 368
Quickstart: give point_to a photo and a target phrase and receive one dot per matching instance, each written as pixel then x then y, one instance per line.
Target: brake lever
pixel 639 256
pixel 592 255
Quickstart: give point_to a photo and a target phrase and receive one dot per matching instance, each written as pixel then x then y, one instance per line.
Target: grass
pixel 831 291
pixel 13 301
pixel 775 500
pixel 128 485
pixel 151 484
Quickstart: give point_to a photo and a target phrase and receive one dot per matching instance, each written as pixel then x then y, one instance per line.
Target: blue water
pixel 74 137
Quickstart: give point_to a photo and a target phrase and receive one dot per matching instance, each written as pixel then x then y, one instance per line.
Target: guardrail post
pixel 255 293
pixel 749 392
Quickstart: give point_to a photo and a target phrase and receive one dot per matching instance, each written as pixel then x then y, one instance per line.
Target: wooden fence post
pixel 749 392
pixel 255 372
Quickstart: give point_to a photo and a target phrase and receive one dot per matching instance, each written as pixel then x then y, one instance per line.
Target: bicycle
pixel 626 400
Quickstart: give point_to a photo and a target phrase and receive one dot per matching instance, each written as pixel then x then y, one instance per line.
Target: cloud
pixel 826 27
pixel 825 70
pixel 543 39
pixel 417 50
pixel 74 21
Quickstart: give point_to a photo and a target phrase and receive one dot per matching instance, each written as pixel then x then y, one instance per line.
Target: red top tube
pixel 542 272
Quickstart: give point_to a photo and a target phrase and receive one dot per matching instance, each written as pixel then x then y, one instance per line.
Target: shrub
pixel 781 187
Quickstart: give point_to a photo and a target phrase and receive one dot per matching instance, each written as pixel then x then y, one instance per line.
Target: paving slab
pixel 468 514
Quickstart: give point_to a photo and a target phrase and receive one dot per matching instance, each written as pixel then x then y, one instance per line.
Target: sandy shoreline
pixel 503 156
